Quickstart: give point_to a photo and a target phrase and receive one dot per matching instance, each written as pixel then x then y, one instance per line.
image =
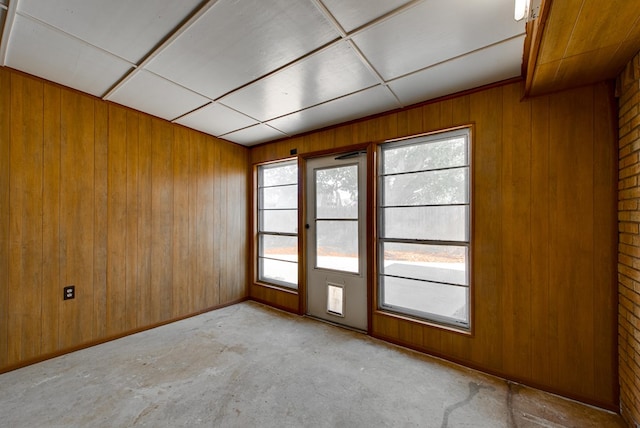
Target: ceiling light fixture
pixel 521 10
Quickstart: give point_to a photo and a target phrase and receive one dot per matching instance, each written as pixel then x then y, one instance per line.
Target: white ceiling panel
pixel 434 31
pixel 352 14
pixel 355 106
pixel 157 96
pixel 253 71
pixel 126 28
pixel 236 42
pixel 329 74
pixel 216 119
pixel 492 64
pixel 254 135
pixel 42 51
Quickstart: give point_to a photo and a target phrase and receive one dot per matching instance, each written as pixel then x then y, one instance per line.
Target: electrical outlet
pixel 69 292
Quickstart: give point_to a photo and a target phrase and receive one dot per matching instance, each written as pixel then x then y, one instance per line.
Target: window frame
pixel 259 221
pixel 422 316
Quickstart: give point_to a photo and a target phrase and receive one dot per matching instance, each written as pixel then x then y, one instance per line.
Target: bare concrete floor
pixel 251 366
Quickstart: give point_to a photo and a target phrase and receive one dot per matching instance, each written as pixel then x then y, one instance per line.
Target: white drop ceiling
pixel 252 71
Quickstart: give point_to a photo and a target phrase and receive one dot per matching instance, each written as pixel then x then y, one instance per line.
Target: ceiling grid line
pixel 74 37
pixel 252 71
pixel 158 49
pixel 448 60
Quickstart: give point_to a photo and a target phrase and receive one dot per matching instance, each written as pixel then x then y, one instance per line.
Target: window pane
pixel 337 245
pixel 441 263
pixel 278 174
pixel 278 271
pixel 443 300
pixel 447 223
pixel 279 247
pixel 427 188
pixel 279 197
pixel 337 192
pixel 443 153
pixel 280 221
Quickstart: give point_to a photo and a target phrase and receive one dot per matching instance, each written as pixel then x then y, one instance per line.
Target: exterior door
pixel 336 241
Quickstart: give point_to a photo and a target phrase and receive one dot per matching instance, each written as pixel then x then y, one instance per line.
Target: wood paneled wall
pixel 544 234
pixel 147 219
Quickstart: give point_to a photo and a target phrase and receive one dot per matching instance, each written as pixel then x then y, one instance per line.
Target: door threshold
pixel 336 324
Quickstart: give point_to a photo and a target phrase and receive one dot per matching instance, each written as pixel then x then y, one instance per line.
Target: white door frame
pixel 321 281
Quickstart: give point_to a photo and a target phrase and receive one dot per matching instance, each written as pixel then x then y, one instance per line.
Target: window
pixel 278 223
pixel 423 225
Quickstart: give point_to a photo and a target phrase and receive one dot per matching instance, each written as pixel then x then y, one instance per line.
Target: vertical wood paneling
pixel 145 290
pixel 161 220
pixel 197 284
pixel 543 308
pixel 235 287
pixel 77 217
pixel 573 251
pixel 181 254
pixel 486 108
pixel 542 235
pixel 181 199
pixel 516 232
pixel 25 216
pixel 51 289
pixel 100 219
pixel 206 254
pixel 215 195
pixel 5 171
pixel 410 121
pixel 604 203
pixel 131 245
pixel 117 220
pixel 105 198
pixel 431 117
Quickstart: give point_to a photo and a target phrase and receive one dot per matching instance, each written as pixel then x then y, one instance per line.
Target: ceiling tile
pixel 329 74
pixel 129 29
pixel 42 51
pixel 434 31
pixel 216 119
pixel 352 14
pixel 157 96
pixel 492 64
pixel 254 135
pixel 361 104
pixel 235 42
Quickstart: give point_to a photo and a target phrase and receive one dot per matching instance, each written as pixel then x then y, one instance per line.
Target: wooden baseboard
pixel 469 364
pixel 61 352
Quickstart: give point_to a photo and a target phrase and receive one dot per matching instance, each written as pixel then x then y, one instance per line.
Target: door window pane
pixel 337 245
pixel 337 192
